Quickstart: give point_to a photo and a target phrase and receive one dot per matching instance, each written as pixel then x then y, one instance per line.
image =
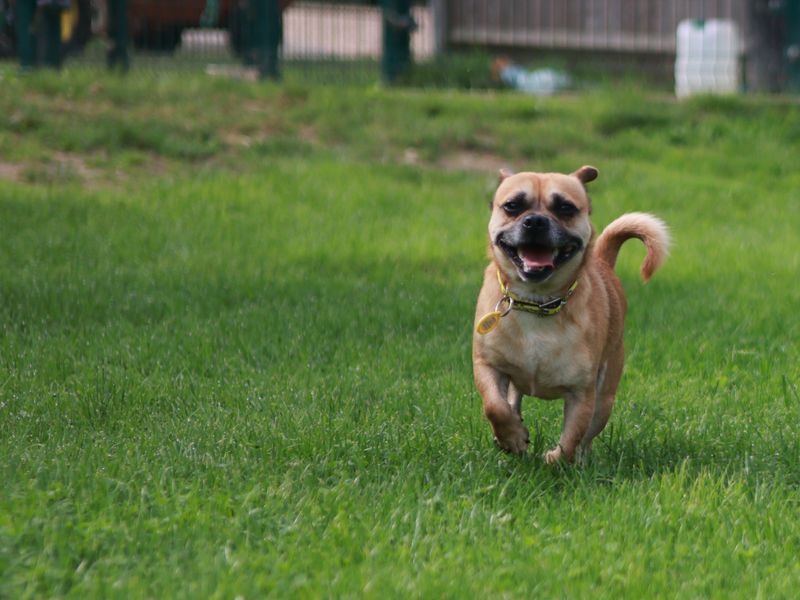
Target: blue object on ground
pixel 540 82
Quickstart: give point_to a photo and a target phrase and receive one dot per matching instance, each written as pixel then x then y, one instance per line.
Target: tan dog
pixel 550 314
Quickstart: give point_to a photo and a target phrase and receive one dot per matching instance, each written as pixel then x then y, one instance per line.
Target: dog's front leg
pixel 510 433
pixel 578 411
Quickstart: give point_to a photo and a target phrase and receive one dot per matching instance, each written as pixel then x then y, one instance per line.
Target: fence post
pixel 397 27
pixel 50 32
pixel 439 12
pixel 764 61
pixel 268 30
pixel 26 40
pixel 792 51
pixel 118 32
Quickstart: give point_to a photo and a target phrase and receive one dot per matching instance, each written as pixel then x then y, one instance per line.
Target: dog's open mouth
pixel 536 261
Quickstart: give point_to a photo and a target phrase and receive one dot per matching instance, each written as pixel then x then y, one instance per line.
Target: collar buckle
pixel 554 304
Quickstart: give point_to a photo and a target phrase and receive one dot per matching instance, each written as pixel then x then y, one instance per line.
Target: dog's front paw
pixel 514 439
pixel 551 457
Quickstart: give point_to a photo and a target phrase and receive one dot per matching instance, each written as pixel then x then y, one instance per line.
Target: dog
pixel 549 317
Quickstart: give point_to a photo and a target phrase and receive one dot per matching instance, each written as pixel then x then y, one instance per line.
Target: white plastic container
pixel 707 58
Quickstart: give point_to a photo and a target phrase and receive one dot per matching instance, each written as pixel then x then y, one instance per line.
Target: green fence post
pixel 210 15
pixel 267 36
pixel 397 27
pixel 792 29
pixel 50 32
pixel 117 55
pixel 26 40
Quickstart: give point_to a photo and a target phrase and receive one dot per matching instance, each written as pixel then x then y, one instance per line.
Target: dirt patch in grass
pixel 77 164
pixel 469 160
pixel 236 139
pixel 60 167
pixel 10 171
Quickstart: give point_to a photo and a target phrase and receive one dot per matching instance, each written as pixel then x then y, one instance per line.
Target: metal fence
pixel 333 41
pixel 635 26
pixel 635 34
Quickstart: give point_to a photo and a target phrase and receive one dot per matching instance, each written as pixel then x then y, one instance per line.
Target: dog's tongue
pixel 536 257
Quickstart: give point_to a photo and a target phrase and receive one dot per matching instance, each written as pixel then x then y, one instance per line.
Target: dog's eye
pixel 564 208
pixel 513 207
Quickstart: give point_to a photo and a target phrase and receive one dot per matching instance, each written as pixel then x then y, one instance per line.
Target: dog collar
pixel 511 301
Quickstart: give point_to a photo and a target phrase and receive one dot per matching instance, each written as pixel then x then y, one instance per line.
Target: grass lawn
pixel 236 325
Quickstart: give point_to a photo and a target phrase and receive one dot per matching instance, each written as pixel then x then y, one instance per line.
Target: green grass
pixel 234 358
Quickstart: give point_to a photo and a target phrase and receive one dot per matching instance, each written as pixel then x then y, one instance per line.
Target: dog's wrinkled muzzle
pixel 538 246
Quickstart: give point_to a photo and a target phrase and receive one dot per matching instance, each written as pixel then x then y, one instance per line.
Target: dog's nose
pixel 535 222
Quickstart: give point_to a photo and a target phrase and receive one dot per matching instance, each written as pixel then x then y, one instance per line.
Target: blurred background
pixel 754 45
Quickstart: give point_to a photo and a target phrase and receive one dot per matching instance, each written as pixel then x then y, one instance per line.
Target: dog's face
pixel 540 225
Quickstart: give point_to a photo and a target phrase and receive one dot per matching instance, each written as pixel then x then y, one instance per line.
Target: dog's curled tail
pixel 651 230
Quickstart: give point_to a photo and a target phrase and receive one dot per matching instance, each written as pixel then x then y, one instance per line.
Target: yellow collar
pixel 544 309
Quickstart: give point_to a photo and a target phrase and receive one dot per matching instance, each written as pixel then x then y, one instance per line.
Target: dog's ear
pixel 586 174
pixel 502 175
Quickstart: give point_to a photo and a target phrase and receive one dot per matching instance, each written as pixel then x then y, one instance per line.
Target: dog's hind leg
pixel 607 382
pixel 515 399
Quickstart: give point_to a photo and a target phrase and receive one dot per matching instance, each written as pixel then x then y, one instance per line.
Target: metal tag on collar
pixel 490 320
